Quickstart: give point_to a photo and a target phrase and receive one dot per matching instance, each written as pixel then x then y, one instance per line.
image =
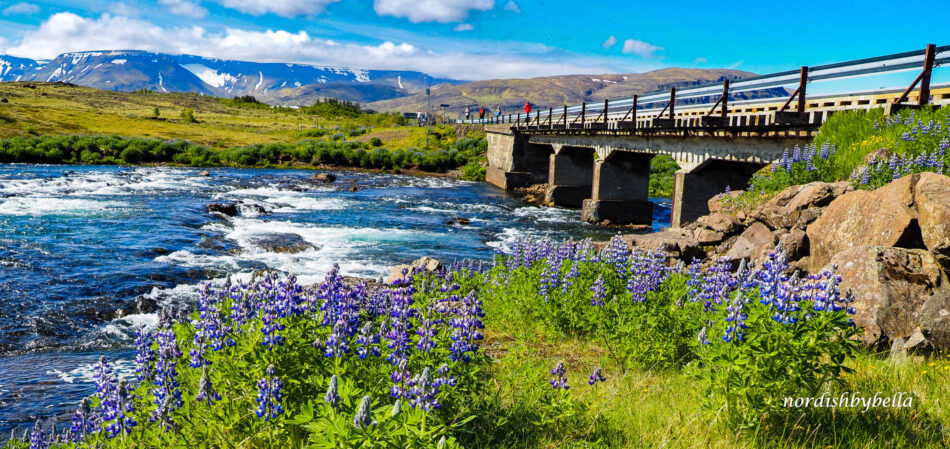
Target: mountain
pixel 556 91
pixel 275 83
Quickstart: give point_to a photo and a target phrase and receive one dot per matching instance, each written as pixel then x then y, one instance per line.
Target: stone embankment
pixel 891 247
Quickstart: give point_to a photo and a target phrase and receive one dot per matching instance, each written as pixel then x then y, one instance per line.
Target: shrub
pixel 376 142
pixel 188 115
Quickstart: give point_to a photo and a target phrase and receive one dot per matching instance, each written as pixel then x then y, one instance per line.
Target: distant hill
pixel 556 91
pixel 275 83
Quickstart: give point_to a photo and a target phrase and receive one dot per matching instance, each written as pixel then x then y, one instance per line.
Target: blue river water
pixel 90 253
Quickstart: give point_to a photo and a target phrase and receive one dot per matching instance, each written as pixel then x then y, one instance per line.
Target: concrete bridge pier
pixel 570 172
pixel 620 190
pixel 693 187
pixel 513 161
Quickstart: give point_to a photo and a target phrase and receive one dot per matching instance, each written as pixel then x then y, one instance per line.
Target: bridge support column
pixel 513 161
pixel 570 172
pixel 692 188
pixel 620 191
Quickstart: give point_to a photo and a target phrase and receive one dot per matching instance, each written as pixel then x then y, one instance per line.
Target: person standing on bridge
pixel 481 113
pixel 468 113
pixel 527 107
pixel 498 112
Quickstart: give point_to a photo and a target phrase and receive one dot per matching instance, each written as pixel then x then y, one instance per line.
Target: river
pixel 89 253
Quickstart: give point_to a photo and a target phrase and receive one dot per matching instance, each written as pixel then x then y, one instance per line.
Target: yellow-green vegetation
pixel 239 131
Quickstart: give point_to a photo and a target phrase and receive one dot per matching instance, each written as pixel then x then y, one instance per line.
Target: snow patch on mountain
pixel 210 76
pixel 119 61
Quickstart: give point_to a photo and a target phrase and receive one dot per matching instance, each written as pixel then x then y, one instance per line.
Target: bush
pixel 188 115
pixel 376 142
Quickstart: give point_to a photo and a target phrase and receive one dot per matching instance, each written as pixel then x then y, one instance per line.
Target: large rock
pixel 884 217
pixel 325 178
pixel 935 319
pixel 400 272
pixel 890 286
pixel 751 242
pixel 671 241
pixel 714 228
pixel 283 243
pixel 720 202
pixel 226 209
pixel 932 196
pixel 794 206
pixel 795 243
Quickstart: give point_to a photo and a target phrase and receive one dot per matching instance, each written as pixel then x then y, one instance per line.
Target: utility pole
pixel 427 115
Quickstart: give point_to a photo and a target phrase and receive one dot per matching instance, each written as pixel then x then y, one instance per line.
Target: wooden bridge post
pixel 605 113
pixel 802 85
pixel 925 75
pixel 565 116
pixel 551 117
pixel 725 101
pixel 583 113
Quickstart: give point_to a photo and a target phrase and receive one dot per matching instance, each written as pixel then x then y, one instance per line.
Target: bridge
pixel 596 156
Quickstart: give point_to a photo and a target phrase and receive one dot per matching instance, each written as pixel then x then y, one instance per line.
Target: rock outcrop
pixel 399 272
pixel 283 243
pixel 891 287
pixel 884 217
pixel 674 242
pixel 932 197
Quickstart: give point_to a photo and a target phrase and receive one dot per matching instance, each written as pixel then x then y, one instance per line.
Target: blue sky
pixel 482 39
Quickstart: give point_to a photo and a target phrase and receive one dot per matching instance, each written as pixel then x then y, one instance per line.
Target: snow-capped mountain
pixel 288 84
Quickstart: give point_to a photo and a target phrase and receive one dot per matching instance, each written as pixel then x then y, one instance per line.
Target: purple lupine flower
pixel 467 324
pixel 596 376
pixel 332 398
pixel 703 337
pixel 206 389
pixel 865 177
pixel 364 415
pixel 424 392
pixel 269 395
pixel 826 149
pixel 368 341
pixel 105 383
pixel 427 331
pixel 736 317
pixel 599 291
pixel 796 154
pixel 167 393
pixel 400 377
pixel 718 282
pixel 560 377
pixel 120 414
pixel 568 280
pixel 444 378
pixel 38 437
pixel 83 421
pixel 144 354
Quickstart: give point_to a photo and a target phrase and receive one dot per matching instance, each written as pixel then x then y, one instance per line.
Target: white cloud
pixel 609 42
pixel 736 64
pixel 21 9
pixel 123 9
pixel 513 7
pixel 442 11
pixel 640 48
pixel 464 27
pixel 64 32
pixel 699 60
pixel 285 8
pixel 185 8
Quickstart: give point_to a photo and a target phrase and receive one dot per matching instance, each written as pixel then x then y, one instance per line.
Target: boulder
pixel 325 178
pixel 932 196
pixel 719 202
pixel 671 241
pixel 890 286
pixel 204 173
pixel 884 217
pixel 935 319
pixel 785 209
pixel 252 209
pixel 400 272
pixel 755 237
pixel 795 243
pixel 226 209
pixel 283 243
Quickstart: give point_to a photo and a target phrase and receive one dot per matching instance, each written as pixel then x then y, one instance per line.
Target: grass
pixel 663 408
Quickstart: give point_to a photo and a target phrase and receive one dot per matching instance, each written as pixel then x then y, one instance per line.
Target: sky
pixel 483 39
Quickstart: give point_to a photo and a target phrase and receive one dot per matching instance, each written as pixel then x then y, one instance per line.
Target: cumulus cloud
pixel 699 60
pixel 464 27
pixel 609 42
pixel 442 11
pixel 184 8
pixel 285 8
pixel 65 32
pixel 21 9
pixel 640 48
pixel 513 7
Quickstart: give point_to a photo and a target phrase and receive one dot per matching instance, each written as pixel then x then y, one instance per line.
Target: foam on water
pixel 37 206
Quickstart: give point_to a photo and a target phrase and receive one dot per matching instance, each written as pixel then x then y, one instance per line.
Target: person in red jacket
pixel 481 113
pixel 527 107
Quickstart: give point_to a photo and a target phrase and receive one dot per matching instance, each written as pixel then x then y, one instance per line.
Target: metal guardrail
pixel 570 117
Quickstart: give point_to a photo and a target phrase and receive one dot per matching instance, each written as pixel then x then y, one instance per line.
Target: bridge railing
pixel 657 110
